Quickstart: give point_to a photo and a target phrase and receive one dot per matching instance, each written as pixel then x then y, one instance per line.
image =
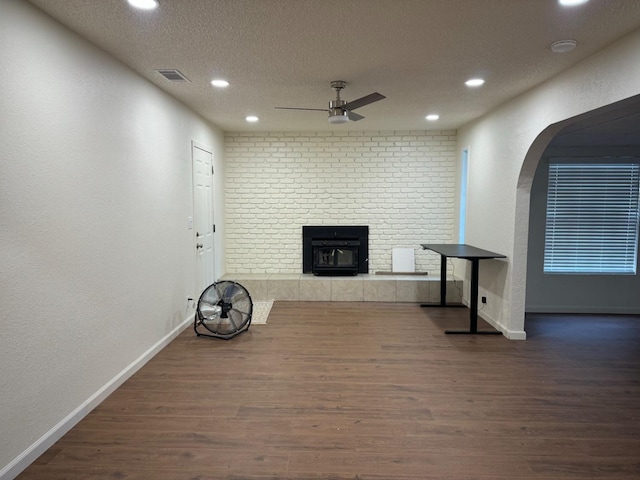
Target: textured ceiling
pixel 417 53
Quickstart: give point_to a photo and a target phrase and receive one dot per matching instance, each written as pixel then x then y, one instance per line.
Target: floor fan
pixel 224 310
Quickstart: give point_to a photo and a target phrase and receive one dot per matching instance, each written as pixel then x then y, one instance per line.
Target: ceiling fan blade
pixel 366 100
pixel 354 117
pixel 296 108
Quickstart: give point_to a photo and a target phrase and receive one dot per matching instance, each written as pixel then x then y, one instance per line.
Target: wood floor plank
pixel 371 391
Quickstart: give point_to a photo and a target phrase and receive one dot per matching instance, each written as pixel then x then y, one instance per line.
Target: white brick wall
pixel 401 184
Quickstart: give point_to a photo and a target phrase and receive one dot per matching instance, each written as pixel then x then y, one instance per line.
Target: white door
pixel 203 215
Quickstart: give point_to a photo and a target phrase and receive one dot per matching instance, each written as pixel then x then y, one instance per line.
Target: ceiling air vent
pixel 173 75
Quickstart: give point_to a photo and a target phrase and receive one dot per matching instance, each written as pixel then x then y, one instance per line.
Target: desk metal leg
pixel 443 280
pixel 443 287
pixel 473 314
pixel 473 310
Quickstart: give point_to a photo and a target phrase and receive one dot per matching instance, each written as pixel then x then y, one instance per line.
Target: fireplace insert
pixel 342 250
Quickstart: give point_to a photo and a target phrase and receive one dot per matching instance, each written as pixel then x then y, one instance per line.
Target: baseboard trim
pixel 582 310
pixel 31 454
pixel 509 334
pixel 515 334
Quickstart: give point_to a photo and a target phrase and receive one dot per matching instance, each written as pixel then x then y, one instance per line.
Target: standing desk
pixel 474 255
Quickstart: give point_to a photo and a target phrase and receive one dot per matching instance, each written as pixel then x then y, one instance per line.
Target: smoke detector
pixel 563 46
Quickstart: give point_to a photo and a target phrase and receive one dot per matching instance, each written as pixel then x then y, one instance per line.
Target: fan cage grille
pixel 224 310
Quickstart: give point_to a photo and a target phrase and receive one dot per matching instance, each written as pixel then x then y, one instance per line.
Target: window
pixel 462 212
pixel 592 218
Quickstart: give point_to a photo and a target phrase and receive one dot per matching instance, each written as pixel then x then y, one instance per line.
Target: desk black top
pixel 460 250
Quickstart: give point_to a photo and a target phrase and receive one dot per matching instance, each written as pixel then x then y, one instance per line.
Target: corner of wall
pixel 31 454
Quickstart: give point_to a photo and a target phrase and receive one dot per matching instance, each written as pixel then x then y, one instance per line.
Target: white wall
pixel 96 257
pixel 400 184
pixel 505 147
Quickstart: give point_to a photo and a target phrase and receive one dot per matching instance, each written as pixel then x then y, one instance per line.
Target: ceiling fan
pixel 341 111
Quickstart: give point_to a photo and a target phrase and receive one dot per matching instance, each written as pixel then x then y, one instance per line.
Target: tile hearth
pixel 359 288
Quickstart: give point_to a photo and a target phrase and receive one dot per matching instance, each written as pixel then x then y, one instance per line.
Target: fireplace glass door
pixel 335 257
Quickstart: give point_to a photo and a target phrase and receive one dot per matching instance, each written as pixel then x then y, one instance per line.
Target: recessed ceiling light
pixel 563 46
pixel 218 82
pixel 144 4
pixel 571 3
pixel 432 117
pixel 252 118
pixel 474 82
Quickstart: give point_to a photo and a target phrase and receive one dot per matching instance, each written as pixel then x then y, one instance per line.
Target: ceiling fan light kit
pixel 337 116
pixel 340 111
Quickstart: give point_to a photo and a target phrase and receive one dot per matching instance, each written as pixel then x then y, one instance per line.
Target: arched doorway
pixel 608 132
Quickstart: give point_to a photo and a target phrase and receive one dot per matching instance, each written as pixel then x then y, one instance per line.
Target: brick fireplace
pixel 401 184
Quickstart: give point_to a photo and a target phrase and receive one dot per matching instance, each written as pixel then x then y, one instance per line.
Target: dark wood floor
pixel 339 391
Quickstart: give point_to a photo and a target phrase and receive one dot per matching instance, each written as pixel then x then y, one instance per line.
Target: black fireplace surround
pixel 335 250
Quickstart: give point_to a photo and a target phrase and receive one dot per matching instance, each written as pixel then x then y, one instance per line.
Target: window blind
pixel 592 219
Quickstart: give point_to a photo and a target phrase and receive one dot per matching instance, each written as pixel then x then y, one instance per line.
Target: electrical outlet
pixel 484 299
